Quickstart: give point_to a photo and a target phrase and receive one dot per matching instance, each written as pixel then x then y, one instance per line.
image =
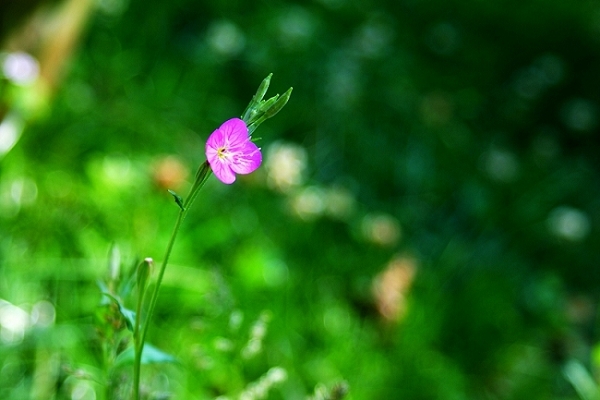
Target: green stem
pixel 201 177
pixel 140 339
pixel 136 341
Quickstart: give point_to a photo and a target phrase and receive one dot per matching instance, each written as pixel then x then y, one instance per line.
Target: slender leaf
pixel 178 199
pixel 150 355
pixel 127 314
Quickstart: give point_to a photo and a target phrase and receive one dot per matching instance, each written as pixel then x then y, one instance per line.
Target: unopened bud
pixel 262 88
pixel 259 110
pixel 253 107
pixel 143 272
pixel 279 104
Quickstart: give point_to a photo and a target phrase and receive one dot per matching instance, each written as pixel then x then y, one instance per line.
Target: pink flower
pixel 229 151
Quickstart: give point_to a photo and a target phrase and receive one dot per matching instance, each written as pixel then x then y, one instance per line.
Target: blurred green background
pixel 424 226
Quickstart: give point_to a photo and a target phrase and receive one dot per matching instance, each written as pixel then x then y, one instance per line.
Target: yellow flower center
pixel 222 153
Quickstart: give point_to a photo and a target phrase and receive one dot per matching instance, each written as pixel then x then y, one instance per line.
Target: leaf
pixel 128 283
pixel 103 290
pixel 177 198
pixel 127 314
pixel 581 380
pixel 150 355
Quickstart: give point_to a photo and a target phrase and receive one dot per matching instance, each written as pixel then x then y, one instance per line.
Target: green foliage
pixel 150 355
pixel 178 199
pixel 460 134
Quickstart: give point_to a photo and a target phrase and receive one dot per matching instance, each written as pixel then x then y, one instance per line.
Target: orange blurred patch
pixel 391 287
pixel 169 173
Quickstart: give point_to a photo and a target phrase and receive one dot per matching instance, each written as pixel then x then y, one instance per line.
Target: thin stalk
pixel 140 337
pixel 138 345
pixel 201 177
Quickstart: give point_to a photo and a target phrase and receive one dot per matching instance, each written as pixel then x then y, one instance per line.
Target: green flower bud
pixel 254 104
pixel 279 104
pixel 262 89
pixel 144 270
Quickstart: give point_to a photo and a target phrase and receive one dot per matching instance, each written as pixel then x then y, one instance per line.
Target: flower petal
pixel 223 172
pixel 212 154
pixel 246 159
pixel 235 132
pixel 216 139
